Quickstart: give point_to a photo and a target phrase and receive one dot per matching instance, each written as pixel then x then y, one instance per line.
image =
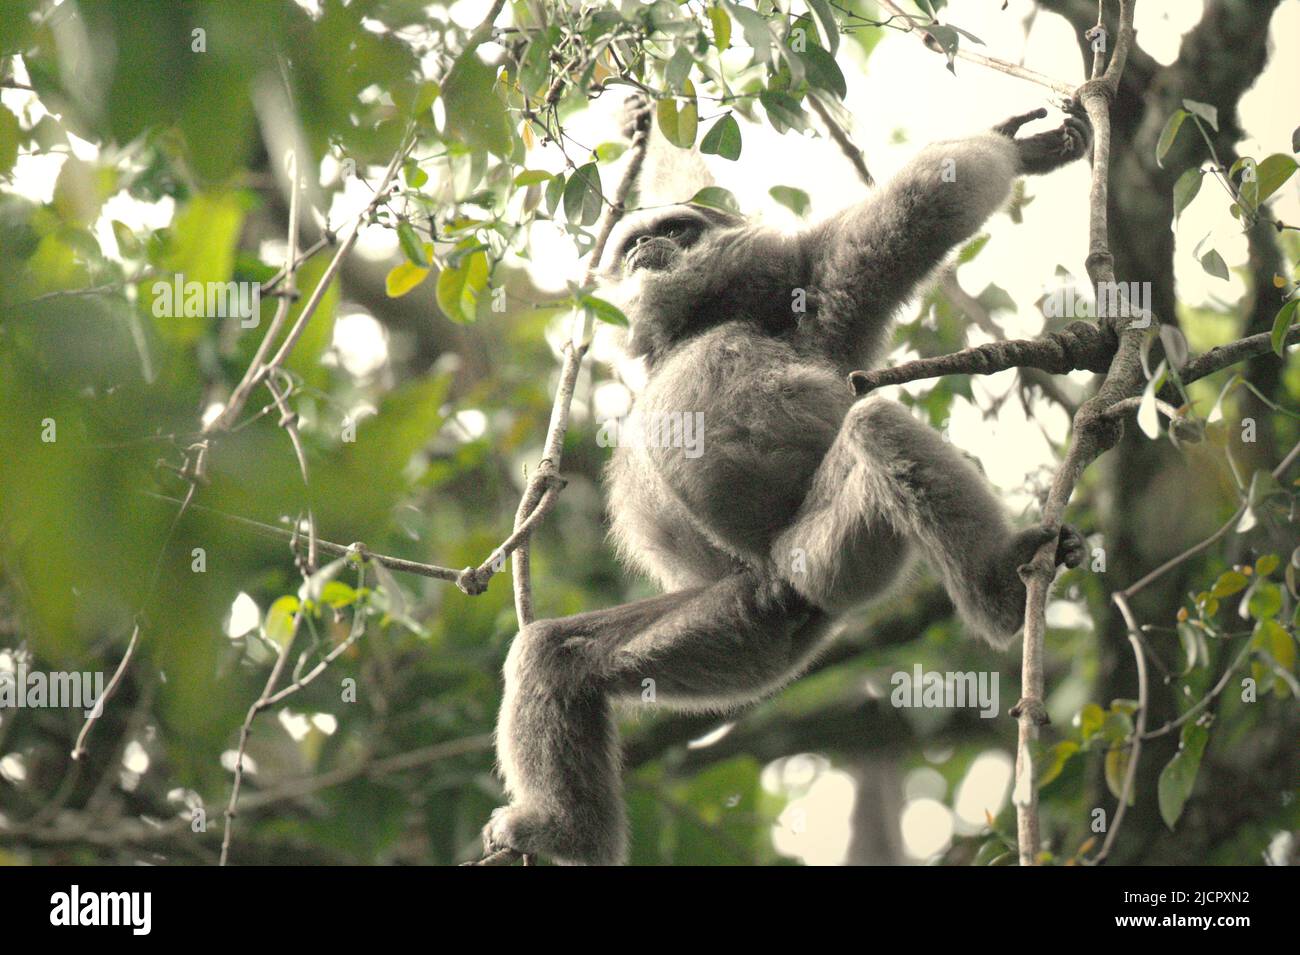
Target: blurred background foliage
pixel 386 758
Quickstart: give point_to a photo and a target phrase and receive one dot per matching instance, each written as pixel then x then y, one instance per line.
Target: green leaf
pixel 715 197
pixel 459 287
pixel 127 242
pixel 604 311
pixel 828 27
pixel 403 277
pixel 608 152
pixel 679 68
pixel 1148 416
pixel 415 176
pixel 279 625
pixel 723 138
pixel 531 177
pixel 535 69
pixel 823 72
pixel 10 133
pixel 1271 173
pixel 972 248
pixel 337 594
pixel 1091 719
pixel 679 123
pixel 1229 583
pixel 582 195
pixel 721 28
pixel 1271 637
pixel 1179 776
pixel 411 246
pixel 1265 601
pixel 1117 726
pixel 555 192
pixel 757 32
pixel 1167 135
pixel 1281 323
pixel 1205 111
pixel 1185 190
pixel 1116 766
pixel 796 200
pixel 783 110
pixel 475 114
pixel 1213 263
pixel 1057 757
pixel 1267 564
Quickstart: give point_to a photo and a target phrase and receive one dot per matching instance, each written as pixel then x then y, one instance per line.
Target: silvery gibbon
pixel 801 502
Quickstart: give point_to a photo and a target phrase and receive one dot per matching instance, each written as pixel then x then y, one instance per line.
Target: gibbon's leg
pixel 888 479
pixel 705 648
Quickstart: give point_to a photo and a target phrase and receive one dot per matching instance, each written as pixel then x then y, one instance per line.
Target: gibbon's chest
pixel 731 426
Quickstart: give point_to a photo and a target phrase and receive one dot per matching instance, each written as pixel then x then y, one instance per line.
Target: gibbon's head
pixel 661 269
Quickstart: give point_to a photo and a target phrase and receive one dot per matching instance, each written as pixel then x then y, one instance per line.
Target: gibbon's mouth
pixel 654 255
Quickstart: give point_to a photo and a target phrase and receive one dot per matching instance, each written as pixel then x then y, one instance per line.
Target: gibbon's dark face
pixel 668 270
pixel 656 242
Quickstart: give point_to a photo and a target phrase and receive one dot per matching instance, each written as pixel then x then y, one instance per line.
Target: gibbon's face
pixel 658 269
pixel 657 245
pixel 655 242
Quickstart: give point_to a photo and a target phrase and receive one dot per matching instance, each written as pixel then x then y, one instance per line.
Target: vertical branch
pixel 547 473
pixel 246 729
pixel 1139 729
pixel 1093 433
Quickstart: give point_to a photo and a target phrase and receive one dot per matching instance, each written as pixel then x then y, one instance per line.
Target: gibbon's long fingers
pixel 1012 125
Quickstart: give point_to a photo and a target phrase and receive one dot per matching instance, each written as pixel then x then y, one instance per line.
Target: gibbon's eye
pixel 681 231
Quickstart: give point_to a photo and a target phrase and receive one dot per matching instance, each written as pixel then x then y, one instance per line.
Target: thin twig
pixel 1139 730
pixel 1206 700
pixel 1092 434
pixel 553 450
pixel 852 153
pixel 246 729
pixel 79 748
pixel 993 63
pixel 1195 549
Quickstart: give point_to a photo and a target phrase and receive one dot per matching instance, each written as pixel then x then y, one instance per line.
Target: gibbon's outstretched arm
pixel 870 258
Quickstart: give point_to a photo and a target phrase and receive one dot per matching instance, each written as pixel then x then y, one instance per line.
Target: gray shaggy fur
pixel 801 502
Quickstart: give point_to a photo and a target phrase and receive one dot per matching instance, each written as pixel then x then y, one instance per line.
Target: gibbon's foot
pixel 1071 548
pixel 529 832
pixel 1053 149
pixel 1070 545
pixel 510 828
pixel 1034 707
pixel 1011 126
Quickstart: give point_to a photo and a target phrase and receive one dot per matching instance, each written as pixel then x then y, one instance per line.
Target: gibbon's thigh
pixel 842 548
pixel 703 648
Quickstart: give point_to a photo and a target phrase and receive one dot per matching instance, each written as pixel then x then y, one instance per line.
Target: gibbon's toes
pixel 1009 127
pixel 1078 134
pixel 1071 547
pixel 501 831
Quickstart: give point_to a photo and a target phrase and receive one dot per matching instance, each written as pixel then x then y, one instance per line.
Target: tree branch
pixel 1093 433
